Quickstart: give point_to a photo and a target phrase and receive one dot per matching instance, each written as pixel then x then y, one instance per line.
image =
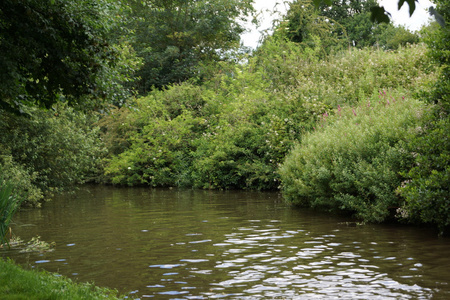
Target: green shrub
pixel 160 148
pixel 353 159
pixel 427 186
pixel 22 181
pixel 51 149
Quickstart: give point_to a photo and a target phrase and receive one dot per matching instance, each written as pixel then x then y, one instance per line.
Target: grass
pixel 9 203
pixel 17 283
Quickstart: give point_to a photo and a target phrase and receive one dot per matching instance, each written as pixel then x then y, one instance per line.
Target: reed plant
pixel 9 203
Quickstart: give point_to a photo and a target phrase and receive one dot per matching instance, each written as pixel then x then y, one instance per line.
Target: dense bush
pixel 234 130
pixel 427 188
pixel 346 77
pixel 47 151
pixel 352 162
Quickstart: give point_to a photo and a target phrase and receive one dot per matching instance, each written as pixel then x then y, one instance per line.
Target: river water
pixel 189 244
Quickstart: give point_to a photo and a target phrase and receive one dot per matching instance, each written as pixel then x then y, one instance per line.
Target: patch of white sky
pixel 270 10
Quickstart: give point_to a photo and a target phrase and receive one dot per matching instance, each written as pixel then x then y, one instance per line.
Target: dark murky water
pixel 172 244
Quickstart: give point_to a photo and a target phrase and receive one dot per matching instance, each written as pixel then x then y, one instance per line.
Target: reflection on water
pixel 172 244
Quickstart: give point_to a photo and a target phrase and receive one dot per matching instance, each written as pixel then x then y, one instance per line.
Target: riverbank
pixel 18 283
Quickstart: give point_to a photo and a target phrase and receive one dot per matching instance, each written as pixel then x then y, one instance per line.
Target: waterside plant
pixel 353 161
pixel 9 203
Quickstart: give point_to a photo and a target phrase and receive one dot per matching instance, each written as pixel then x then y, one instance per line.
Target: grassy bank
pixel 17 283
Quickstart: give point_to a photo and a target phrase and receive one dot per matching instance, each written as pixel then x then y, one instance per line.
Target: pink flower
pixel 354 112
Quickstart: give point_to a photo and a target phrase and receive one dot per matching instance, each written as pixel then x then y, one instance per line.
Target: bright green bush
pixel 352 161
pixel 346 77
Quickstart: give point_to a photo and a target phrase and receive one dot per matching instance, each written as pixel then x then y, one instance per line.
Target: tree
pixel 304 25
pixel 174 37
pixel 344 23
pixel 55 50
pixel 378 14
pixel 354 18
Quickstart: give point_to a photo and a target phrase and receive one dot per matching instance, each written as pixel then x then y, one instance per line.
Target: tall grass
pixel 9 202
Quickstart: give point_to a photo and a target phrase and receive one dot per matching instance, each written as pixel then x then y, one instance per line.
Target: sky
pixel 267 7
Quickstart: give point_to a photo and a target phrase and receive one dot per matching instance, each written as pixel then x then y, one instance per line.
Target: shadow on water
pixel 191 244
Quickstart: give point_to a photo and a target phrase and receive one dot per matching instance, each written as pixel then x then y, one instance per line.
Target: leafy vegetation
pixel 57 51
pixel 207 114
pixel 9 203
pixel 48 151
pixel 234 130
pixel 176 39
pixel 426 190
pixel 352 162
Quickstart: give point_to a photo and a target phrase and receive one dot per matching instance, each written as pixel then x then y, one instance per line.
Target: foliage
pixel 346 77
pixel 58 51
pixel 174 37
pixel 354 18
pixel 378 14
pixel 390 37
pixel 352 163
pixel 22 179
pixel 438 41
pixel 235 129
pixel 9 203
pixel 304 25
pixel 427 188
pixel 18 283
pixel 341 25
pixel 49 150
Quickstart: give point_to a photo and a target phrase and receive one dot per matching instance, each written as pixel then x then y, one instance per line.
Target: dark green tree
pixel 303 24
pixel 55 50
pixel 174 37
pixel 349 22
pixel 354 18
pixel 378 14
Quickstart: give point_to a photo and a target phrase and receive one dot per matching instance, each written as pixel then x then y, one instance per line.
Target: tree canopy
pixel 173 37
pixel 345 23
pixel 378 13
pixel 53 50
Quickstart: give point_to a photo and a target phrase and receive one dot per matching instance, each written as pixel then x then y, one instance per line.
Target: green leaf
pixel 379 15
pixel 411 3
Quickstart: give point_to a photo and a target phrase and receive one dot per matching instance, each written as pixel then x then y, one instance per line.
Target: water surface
pixel 185 244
